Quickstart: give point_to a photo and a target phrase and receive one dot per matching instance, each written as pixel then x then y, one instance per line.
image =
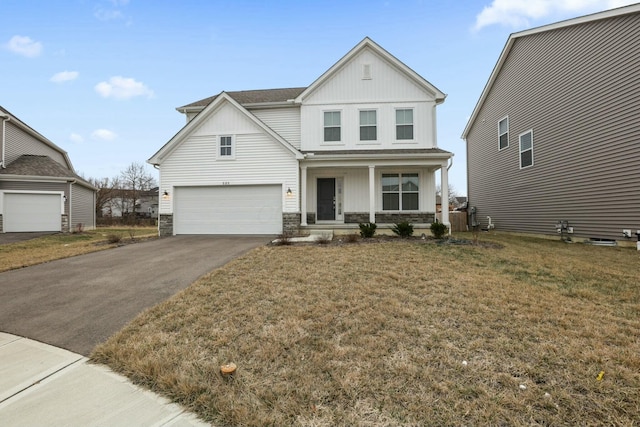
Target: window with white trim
pixel 400 192
pixel 225 147
pixel 404 123
pixel 331 126
pixel 368 125
pixel 503 133
pixel 526 149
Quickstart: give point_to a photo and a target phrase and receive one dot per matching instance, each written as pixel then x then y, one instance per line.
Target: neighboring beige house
pixel 357 145
pixel 555 135
pixel 39 190
pixel 121 204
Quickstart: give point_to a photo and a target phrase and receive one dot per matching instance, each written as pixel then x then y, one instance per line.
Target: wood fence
pixel 457 219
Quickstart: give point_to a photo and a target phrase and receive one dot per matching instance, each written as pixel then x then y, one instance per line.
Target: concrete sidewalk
pixel 45 385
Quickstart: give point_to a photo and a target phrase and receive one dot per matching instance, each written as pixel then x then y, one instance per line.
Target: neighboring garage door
pixel 31 212
pixel 255 209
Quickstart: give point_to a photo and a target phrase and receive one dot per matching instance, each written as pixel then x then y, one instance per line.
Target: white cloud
pixel 518 13
pixel 77 138
pixel 24 46
pixel 122 88
pixel 64 76
pixel 104 135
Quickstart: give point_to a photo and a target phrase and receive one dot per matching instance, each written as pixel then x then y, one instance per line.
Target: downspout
pixel 4 119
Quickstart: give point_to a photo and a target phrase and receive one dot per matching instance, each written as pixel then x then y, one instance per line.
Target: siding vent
pixel 366 71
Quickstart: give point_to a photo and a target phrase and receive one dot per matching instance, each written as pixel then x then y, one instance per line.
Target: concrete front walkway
pixel 41 385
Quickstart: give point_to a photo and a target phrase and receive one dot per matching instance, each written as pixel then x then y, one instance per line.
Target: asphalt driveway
pixel 77 303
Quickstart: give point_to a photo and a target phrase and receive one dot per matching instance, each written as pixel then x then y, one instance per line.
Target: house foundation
pixel 165 225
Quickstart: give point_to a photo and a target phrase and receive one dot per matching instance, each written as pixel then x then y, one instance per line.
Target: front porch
pixel 340 190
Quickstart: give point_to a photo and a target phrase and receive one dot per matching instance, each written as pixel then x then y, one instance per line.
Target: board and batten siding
pixel 578 89
pixel 82 208
pixel 258 159
pixel 284 121
pixel 19 142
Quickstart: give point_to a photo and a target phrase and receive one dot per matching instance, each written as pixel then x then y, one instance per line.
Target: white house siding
pixel 284 121
pixel 387 90
pixel 259 159
pixel 82 207
pixel 19 142
pixel 356 187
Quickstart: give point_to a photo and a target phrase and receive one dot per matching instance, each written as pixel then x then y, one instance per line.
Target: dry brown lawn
pixel 64 245
pixel 400 333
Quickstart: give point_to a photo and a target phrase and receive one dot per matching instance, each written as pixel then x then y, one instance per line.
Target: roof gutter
pixel 4 119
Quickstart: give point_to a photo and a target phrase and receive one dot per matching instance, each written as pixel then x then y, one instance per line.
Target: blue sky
pixel 102 78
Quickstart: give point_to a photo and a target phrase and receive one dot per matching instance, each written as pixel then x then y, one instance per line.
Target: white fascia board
pixel 509 44
pixel 35 178
pixel 395 62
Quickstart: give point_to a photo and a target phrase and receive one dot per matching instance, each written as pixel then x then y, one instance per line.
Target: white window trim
pixel 368 141
pixel 400 174
pixel 340 141
pixel 395 127
pixel 219 155
pixel 520 151
pixel 500 134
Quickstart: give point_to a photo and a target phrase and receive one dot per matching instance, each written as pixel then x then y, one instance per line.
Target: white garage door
pixel 253 209
pixel 31 212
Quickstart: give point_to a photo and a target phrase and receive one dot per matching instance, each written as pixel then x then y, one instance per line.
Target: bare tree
pixel 107 189
pixel 134 180
pixel 452 193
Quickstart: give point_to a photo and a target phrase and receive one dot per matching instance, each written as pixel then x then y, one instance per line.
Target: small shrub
pixel 114 238
pixel 403 229
pixel 324 239
pixel 132 233
pixel 439 230
pixel 367 229
pixel 79 228
pixel 351 238
pixel 284 239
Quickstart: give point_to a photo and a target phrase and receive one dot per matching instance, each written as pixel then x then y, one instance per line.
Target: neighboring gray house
pixel 39 191
pixel 357 145
pixel 555 135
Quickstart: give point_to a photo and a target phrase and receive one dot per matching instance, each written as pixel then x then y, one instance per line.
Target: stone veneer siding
pixel 290 222
pixel 1 224
pixel 65 223
pixel 389 218
pixel 165 225
pixel 311 217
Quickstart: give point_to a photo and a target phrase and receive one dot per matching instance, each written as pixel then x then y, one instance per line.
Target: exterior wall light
pixel 165 195
pixel 289 192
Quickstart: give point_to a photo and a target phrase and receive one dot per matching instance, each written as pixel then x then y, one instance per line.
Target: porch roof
pixel 395 155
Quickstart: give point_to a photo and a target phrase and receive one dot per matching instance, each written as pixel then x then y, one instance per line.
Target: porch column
pixel 444 185
pixel 372 194
pixel 303 197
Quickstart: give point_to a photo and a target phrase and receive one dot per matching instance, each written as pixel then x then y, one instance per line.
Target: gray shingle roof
pixel 33 165
pixel 253 96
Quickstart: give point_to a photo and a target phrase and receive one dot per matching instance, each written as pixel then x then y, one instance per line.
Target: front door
pixel 326 199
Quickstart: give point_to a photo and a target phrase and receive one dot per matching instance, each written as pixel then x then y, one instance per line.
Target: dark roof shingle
pixel 253 96
pixel 34 165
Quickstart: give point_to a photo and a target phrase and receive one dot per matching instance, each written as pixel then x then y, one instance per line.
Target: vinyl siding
pixel 578 88
pixel 82 207
pixel 284 121
pixel 259 159
pixel 20 142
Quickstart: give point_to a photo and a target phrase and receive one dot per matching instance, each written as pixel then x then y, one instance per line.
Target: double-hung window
pixel 225 147
pixel 400 191
pixel 331 126
pixel 503 133
pixel 526 149
pixel 404 123
pixel 368 125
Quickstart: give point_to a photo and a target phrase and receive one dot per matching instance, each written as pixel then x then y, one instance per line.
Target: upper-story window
pixel 404 123
pixel 225 148
pixel 400 192
pixel 526 149
pixel 503 133
pixel 331 126
pixel 368 125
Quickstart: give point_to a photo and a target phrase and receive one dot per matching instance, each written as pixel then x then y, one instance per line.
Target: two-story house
pixel 39 190
pixel 554 137
pixel 358 145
